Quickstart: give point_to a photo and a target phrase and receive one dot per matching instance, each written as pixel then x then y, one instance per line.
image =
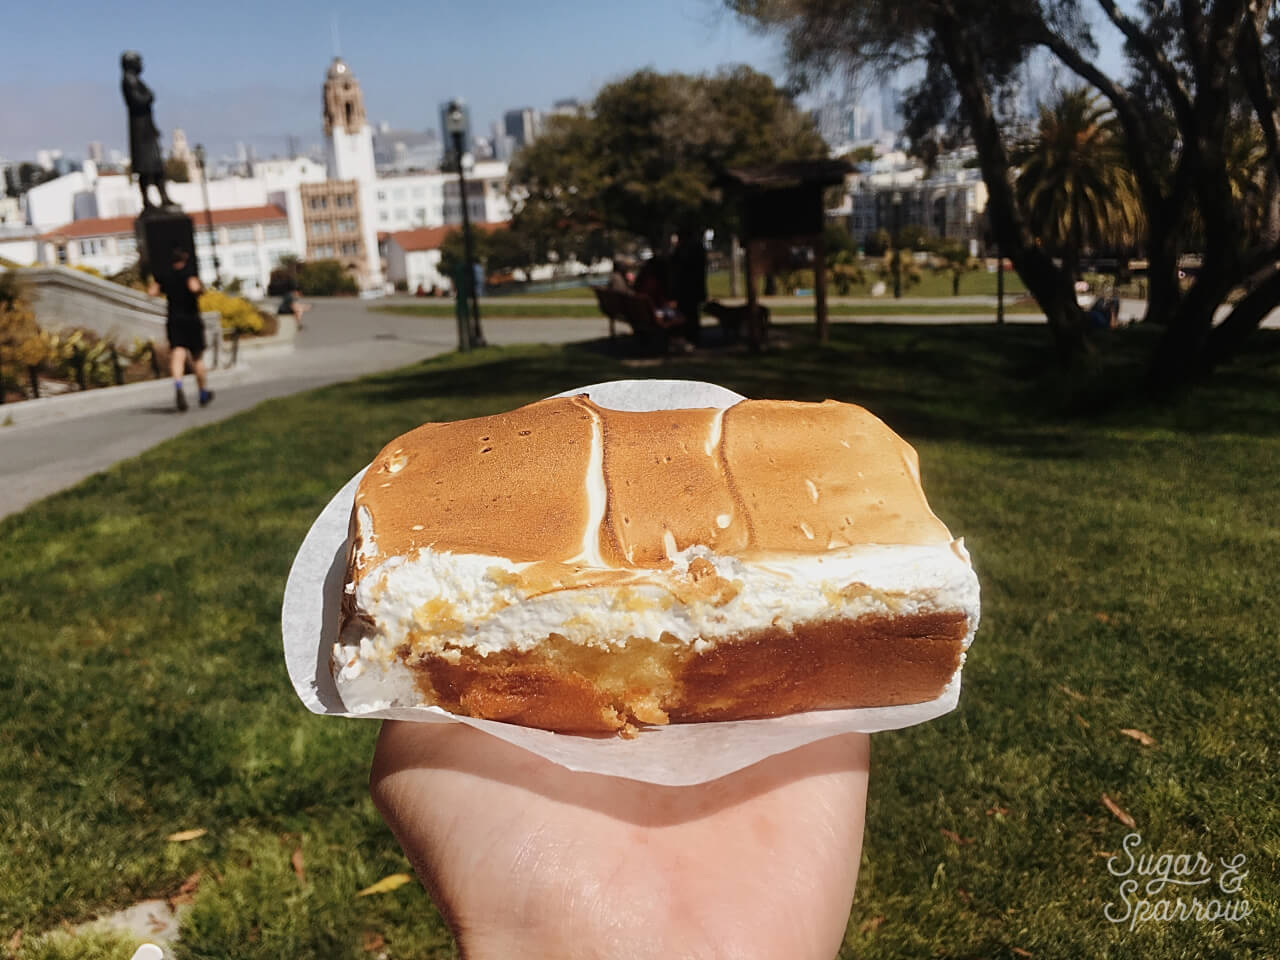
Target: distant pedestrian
pixel 292 305
pixel 181 287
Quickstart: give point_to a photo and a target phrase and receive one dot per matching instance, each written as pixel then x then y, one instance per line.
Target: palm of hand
pixel 525 858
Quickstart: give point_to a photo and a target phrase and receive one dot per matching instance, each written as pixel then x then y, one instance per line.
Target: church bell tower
pixel 349 138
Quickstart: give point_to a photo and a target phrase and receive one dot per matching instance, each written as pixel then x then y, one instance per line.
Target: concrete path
pixel 69 438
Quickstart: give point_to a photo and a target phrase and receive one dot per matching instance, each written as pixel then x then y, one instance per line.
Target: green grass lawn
pixel 931 285
pixel 803 307
pixel 1128 565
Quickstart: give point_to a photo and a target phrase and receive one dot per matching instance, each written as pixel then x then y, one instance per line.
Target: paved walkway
pixel 66 439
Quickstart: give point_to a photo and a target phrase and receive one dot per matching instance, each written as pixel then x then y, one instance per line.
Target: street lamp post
pixel 208 217
pixel 456 123
pixel 895 261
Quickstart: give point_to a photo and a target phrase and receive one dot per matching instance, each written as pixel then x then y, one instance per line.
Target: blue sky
pixel 228 71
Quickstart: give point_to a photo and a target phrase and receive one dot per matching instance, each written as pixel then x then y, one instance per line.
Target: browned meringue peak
pixel 581 488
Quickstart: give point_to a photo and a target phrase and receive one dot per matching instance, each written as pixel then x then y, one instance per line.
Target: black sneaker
pixel 182 400
pixel 206 397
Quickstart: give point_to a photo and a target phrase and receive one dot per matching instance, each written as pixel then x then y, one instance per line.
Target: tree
pixel 1204 74
pixel 20 341
pixel 643 161
pixel 175 170
pixel 955 260
pixel 1074 181
pixel 325 278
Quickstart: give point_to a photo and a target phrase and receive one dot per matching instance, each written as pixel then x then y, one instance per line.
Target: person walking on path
pixel 181 288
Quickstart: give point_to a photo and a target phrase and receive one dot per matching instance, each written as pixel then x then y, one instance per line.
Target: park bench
pixel 635 310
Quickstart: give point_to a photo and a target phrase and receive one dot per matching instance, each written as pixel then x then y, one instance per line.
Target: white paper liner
pixel 675 755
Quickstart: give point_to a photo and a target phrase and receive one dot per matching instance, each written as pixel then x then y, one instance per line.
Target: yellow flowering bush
pixel 238 314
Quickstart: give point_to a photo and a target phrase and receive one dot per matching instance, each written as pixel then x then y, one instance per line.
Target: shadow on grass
pixel 998 386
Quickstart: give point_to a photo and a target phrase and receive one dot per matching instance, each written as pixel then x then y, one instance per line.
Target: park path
pixel 63 440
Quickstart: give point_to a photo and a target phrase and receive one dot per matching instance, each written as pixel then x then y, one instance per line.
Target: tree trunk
pixel 1224 340
pixel 1053 290
pixel 33 374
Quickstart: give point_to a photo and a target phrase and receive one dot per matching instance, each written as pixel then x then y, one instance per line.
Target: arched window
pixel 351 112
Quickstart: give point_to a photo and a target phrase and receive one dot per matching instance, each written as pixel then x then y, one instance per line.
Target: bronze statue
pixel 144 138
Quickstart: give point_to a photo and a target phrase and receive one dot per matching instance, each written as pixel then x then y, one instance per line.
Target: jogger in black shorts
pixel 181 287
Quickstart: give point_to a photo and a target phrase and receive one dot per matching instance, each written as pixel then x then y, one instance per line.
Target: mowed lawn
pixel 1128 565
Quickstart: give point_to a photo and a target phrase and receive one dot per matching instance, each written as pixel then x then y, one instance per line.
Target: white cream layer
pixel 481 594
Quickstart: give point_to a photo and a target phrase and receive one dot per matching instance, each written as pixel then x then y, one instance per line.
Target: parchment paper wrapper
pixel 675 755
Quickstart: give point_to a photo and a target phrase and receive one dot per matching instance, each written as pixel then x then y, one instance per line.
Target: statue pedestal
pixel 159 231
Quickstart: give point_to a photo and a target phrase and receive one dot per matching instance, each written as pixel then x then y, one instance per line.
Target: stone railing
pixel 63 298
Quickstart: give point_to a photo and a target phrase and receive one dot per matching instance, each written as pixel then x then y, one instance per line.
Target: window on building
pixel 382 195
pixel 383 216
pixel 324 250
pixel 346 201
pixel 62 253
pixel 420 215
pixel 202 237
pixel 275 231
pixel 240 235
pixel 244 259
pixel 419 192
pixel 398 194
pixel 319 203
pixel 350 249
pixel 126 245
pixel 322 228
pixel 88 248
pixel 402 215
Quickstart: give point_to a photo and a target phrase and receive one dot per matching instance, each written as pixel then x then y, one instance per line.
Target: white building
pixel 895 193
pixel 413 256
pixel 250 243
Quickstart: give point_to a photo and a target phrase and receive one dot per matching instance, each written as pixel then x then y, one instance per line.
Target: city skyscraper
pixel 522 125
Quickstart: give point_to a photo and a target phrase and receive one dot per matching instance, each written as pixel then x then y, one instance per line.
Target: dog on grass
pixel 733 320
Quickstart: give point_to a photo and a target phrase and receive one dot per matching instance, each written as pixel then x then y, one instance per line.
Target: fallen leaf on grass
pixel 15 941
pixel 295 861
pixel 1022 953
pixel 187 892
pixel 1118 812
pixel 1101 618
pixel 1073 694
pixel 386 884
pixel 955 837
pixel 182 836
pixel 373 941
pixel 992 811
pixel 964 894
pixel 1103 853
pixel 872 925
pixel 1082 721
pixel 1143 738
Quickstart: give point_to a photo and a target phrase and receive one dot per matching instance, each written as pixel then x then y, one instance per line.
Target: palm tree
pixel 1073 180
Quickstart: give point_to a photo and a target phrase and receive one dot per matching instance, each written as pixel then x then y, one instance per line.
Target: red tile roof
pixel 114 226
pixel 430 238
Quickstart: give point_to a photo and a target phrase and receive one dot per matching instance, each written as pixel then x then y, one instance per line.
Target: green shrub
pixel 325 278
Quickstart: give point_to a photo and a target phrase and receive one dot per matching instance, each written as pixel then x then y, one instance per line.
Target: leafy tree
pixel 325 278
pixel 175 170
pixel 954 260
pixel 507 249
pixel 643 161
pixel 1204 74
pixel 1074 182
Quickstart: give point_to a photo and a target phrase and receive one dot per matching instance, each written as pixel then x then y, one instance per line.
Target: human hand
pixel 527 859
